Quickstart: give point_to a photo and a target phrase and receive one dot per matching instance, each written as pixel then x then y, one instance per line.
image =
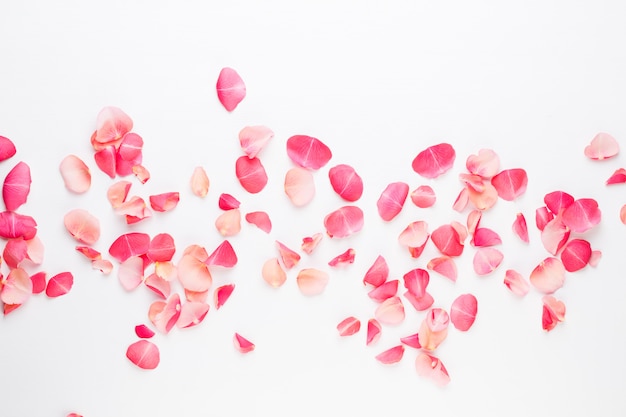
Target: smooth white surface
pixel 534 81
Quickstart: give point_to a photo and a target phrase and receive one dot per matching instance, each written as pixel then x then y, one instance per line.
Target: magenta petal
pixel 434 160
pixel 7 148
pixel 308 152
pixel 144 332
pixel 416 281
pixel 230 88
pixel 228 202
pixel 447 240
pixel 557 201
pixel 222 294
pixel 242 344
pixel 60 284
pixel 463 311
pixel 144 354
pixel 16 186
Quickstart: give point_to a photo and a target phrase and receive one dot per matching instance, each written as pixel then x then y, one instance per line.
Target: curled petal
pixel 602 146
pixel 485 199
pixel 346 182
pixel 230 88
pixel 484 236
pixel 17 287
pixel 349 326
pixel 596 255
pixel 309 243
pixel 420 303
pixel 83 226
pixel 144 354
pixel 510 183
pixel 390 311
pixel 251 174
pixel 557 201
pixel 434 160
pixel 165 201
pixel 312 281
pixel 130 273
pixel 289 257
pixel 158 285
pixel 242 344
pixel 125 167
pixel 473 221
pixel 463 311
pixel 14 225
pixel 117 193
pixel 299 186
pixel 416 281
pixel 391 356
pixel 344 221
pixel 130 244
pixel 229 222
pixel 199 182
pixel 461 200
pixel 423 196
pixel 308 152
pixel 553 312
pixel 374 330
pixel 260 219
pixel 431 367
pixel 165 314
pixel 60 284
pixel 487 260
pixel 447 240
pixel 384 291
pixel 15 251
pixel 7 148
pixel 515 282
pixel 582 215
pixel 548 276
pixel 618 177
pixel 412 341
pixel 194 274
pixel 520 228
pixel 486 164
pixel 17 186
pixel 378 273
pixel 228 202
pixel 222 294
pixel 224 255
pixel 254 138
pixel 103 265
pixel 191 314
pixel 142 174
pixel 434 328
pixel 576 255
pixel 39 282
pixel 344 258
pixel 111 125
pixel 445 266
pixel 392 200
pixel 414 236
pixel 273 273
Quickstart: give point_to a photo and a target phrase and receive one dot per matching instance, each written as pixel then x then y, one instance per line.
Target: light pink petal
pixel 618 177
pixel 434 160
pixel 378 273
pixel 542 217
pixel 130 273
pixel 595 257
pixel 144 332
pixel 309 243
pixel 520 227
pixel 447 240
pixel 343 222
pixel 474 182
pixel 228 202
pixel 162 248
pixel 312 281
pixel 349 326
pixel 484 236
pixel 487 260
pixel 196 296
pixel 166 270
pixel 412 341
pixel 384 291
pixel 14 225
pixel 602 146
pixel 346 182
pixel 242 344
pixel 194 274
pixel 141 173
pixel 144 354
pixel 273 273
pixel 548 276
pixel 39 282
pixel 582 215
pixel 483 200
pixel 17 186
pixel 105 160
pixel 251 174
pixel 165 201
pixel 422 303
pixel 224 255
pixel 576 255
pixel 622 214
pixel 60 284
pixel 199 182
pixel 89 253
pixel 7 148
pixel 197 252
pixel 431 367
pixel 390 311
pixel 117 193
pixel 461 230
pixel 83 226
pixel 392 200
pixel 112 124
pixel 515 282
pixel 416 281
pixel 486 164
pixel 15 251
pixel 554 235
pixel 434 328
pixel 222 294
pixel 230 88
pixel 510 183
pixel 344 258
pixel 473 221
pixel 462 200
pixel 415 235
pixel 374 330
pixel 158 285
pixel 165 314
pixel 103 265
pixel 260 219
pixel 130 147
pixel 130 244
pixel 133 208
pixel 445 266
pixel 299 186
pixel 463 311
pixel 553 312
pixel 423 196
pixel 191 314
pixel 17 287
pixel 308 152
pixel 254 138
pixel 229 222
pixel 289 257
pixel 557 201
pixel 390 356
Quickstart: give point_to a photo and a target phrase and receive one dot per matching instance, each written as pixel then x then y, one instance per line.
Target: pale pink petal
pixel 197 252
pixel 516 282
pixel 312 281
pixel 484 236
pixel 483 200
pixel 416 281
pixel 299 186
pixel 548 276
pixel 194 274
pixel 112 124
pixel 422 303
pixel 191 314
pixel 124 167
pixel 165 201
pixel 165 314
pixel 15 251
pixel 474 182
pixel 134 208
pixel 130 244
pixel 308 152
pixel 14 225
pixel 445 266
pixel 390 356
pixel 17 287
pixel 486 164
pixel 251 174
pixel 224 255
pixel 423 196
pixel 16 186
pixel 374 330
pixel 289 257
pixel 344 222
pixel 434 160
pixel 510 183
pixel 487 260
pixel 144 354
pixel 473 221
pixel 158 285
pixel 162 248
pixel 553 312
pixel 557 201
pixel 309 243
pixel 196 296
pixel 431 367
pixel 618 177
pixel 39 282
pixel 199 182
pixel 582 215
pixel 254 138
pixel 144 332
pixel 378 273
pixel 230 88
pixel 105 160
pixel 7 148
pixel 412 341
pixel 463 311
pixel 461 230
pixel 242 344
pixel 447 240
pixel 228 202
pixel 542 217
pixel 415 236
pixel 166 270
pixel 273 273
pixel 130 147
pixel 554 235
pixel 344 258
pixel 346 182
pixel 462 200
pixel 520 227
pixel 392 200
pixel 602 146
pixel 576 255
pixel 260 219
pixel 117 193
pixel 384 291
pixel 222 294
pixel 35 250
pixel 390 311
pixel 83 226
pixel 103 265
pixel 349 326
pixel 141 173
pixel 434 328
pixel 229 223
pixel 60 284
pixel 622 214
pixel 595 257
pixel 130 273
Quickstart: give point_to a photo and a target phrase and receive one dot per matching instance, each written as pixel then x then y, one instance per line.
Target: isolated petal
pixel 445 266
pixel 463 311
pixel 130 244
pixel 378 273
pixel 251 174
pixel 60 284
pixel 230 88
pixel 242 344
pixel 374 330
pixel 273 273
pixel 516 282
pixel 416 281
pixel 144 354
pixel 349 326
pixel 309 243
pixel 618 177
pixel 392 355
pixel 228 202
pixel 7 148
pixel 83 226
pixel 392 200
pixel 447 240
pixel 194 274
pixel 548 276
pixel 594 260
pixel 344 258
pixel 254 138
pixel 487 260
pixel 582 215
pixel 553 312
pixel 576 255
pixel 423 196
pixel 346 182
pixel 289 257
pixel 16 186
pixel 484 237
pixel 485 164
pixel 390 311
pixel 510 183
pixel 17 287
pixel 260 219
pixel 432 368
pixel 39 282
pixel 602 146
pixel 312 281
pixel 462 200
pixel 222 294
pixel 229 222
pixel 199 182
pixel 191 314
pixel 344 221
pixel 130 273
pixel 434 160
pixel 165 201
pixel 520 228
pixel 224 255
pixel 384 291
pixel 557 201
pixel 299 186
pixel 308 152
pixel 473 221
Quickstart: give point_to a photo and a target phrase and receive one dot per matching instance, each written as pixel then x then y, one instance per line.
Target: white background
pixel 534 81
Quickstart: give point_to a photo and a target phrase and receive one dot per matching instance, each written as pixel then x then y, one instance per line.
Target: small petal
pixel 260 219
pixel 229 223
pixel 130 147
pixel 162 248
pixel 228 202
pixel 289 257
pixel 309 243
pixel 554 235
pixel 299 186
pixel 242 344
pixel 576 255
pixel 142 331
pixel 83 226
pixel 602 146
pixel 445 266
pixel 308 152
pixel 548 276
pixel 473 221
pixel 312 281
pixel 390 356
pixel 224 255
pixel 487 260
pixel 105 159
pixel 349 326
pixel 553 312
pixel 543 217
pixel 596 255
pixel 16 186
pixel 254 138
pixel 618 177
pixel 199 182
pixel 39 282
pixel 392 200
pixel 273 273
pixel 144 354
pixel 158 285
pixel 7 148
pixel 485 199
pixel 462 200
pixel 222 294
pixel 374 330
pixel 423 196
pixel 344 258
pixel 463 311
pixel 434 160
pixel 378 273
pixel 344 222
pixel 416 281
pixel 510 183
pixel 390 311
pixel 412 341
pixel 130 273
pixel 516 282
pixel 346 182
pixel 520 228
pixel 447 240
pixel 165 201
pixel 60 284
pixel 251 174
pixel 230 88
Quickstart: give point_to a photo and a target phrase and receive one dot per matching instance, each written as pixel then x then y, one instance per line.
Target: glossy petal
pixel 520 228
pixel 378 273
pixel 390 311
pixel 420 303
pixel 432 368
pixel 384 291
pixel 130 273
pixel 289 257
pixel 229 223
pixel 349 326
pixel 242 344
pixel 582 215
pixel 165 314
pixel 309 243
pixel 416 281
pixel 485 164
pixel 392 200
pixel 548 276
pixel 557 201
pixel 423 196
pixel 260 219
pixel 254 138
pixel 576 255
pixel 112 124
pixel 510 183
pixel 346 182
pixel 199 182
pixel 434 160
pixel 230 88
pixel 224 255
pixel 447 240
pixel 344 222
pixel 16 186
pixel 130 244
pixel 144 332
pixel 105 159
pixel 434 328
pixel 17 287
pixel 618 177
pixel 222 294
pixel 191 314
pixel 144 354
pixel 308 152
pixel 60 284
pixel 553 312
pixel 83 226
pixel 487 260
pixel 463 311
pixel 515 282
pixel 165 201
pixel 602 146
pixel 445 266
pixel 374 330
pixel 554 235
pixel 344 258
pixel 228 202
pixel 194 274
pixel 273 273
pixel 7 148
pixel 251 174
pixel 390 356
pixel 299 186
pixel 312 281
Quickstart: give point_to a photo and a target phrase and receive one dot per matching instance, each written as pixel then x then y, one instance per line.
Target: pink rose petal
pixel 7 148
pixel 520 227
pixel 251 174
pixel 618 177
pixel 228 202
pixel 485 199
pixel 576 255
pixel 423 196
pixel 117 193
pixel 412 341
pixel 582 215
pixel 416 281
pixel 16 186
pixel 273 273
pixel 165 314
pixel 222 294
pixel 142 331
pixel 463 311
pixel 557 201
pixel 447 240
pixel 432 368
pixel 229 223
pixel 377 274
pixel 515 282
pixel 374 330
pixel 486 164
pixel 39 282
pixel 260 219
pixel 308 152
pixel 392 200
pixel 602 146
pixel 415 236
pixel 548 276
pixel 487 260
pixel 105 159
pixel 596 255
pixel 60 284
pixel 384 291
pixel 553 312
pixel 242 344
pixel 224 255
pixel 191 314
pixel 344 258
pixel 130 273
pixel 542 217
pixel 130 244
pixel 390 311
pixel 309 243
pixel 83 226
pixel 254 138
pixel 434 328
pixel 194 274
pixel 344 222
pixel 510 183
pixel 445 266
pixel 199 182
pixel 434 160
pixel 349 326
pixel 14 225
pixel 144 354
pixel 299 186
pixel 165 201
pixel 420 303
pixel 230 88
pixel 289 257
pixel 554 235
pixel 346 182
pixel 111 125
pixel 391 356
pixel 158 285
pixel 16 288
pixel 312 281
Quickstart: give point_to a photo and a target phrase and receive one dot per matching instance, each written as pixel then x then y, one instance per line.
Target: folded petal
pixel 423 196
pixel 516 282
pixel 82 225
pixel 487 260
pixel 602 146
pixel 242 344
pixel 349 326
pixel 222 294
pixel 520 227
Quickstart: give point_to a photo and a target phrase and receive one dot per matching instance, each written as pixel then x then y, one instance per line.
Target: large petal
pixel 602 146
pixel 83 226
pixel 548 276
pixel 510 183
pixel 111 125
pixel 308 152
pixel 346 182
pixel 130 244
pixel 434 160
pixel 14 225
pixel 144 354
pixel 16 186
pixel 251 174
pixel 582 215
pixel 312 281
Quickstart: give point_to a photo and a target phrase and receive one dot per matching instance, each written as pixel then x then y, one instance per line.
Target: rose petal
pixel 618 177
pixel 384 291
pixel 445 266
pixel 142 331
pixel 422 303
pixel 308 152
pixel 199 182
pixel 165 314
pixel 377 274
pixel 309 243
pixel 289 257
pixel 510 183
pixel 242 344
pixel 260 219
pixel 434 328
pixel 254 138
pixel 602 146
pixel 463 311
pixel 230 88
pixel 105 159
pixel 344 258
pixel 222 294
pixel 344 222
pixel 111 125
pixel 582 215
pixel 17 287
pixel 416 281
pixel 7 148
pixel 39 282
pixel 392 200
pixel 144 354
pixel 554 235
pixel 228 202
pixel 576 255
pixel 487 260
pixel 390 311
pixel 391 356
pixel 374 330
pixel 312 281
pixel 16 186
pixel 548 276
pixel 14 225
pixel 83 226
pixel 251 174
pixel 191 314
pixel 447 240
pixel 415 236
pixel 423 196
pixel 165 201
pixel 516 282
pixel 412 341
pixel 60 284
pixel 346 182
pixel 431 367
pixel 130 273
pixel 224 255
pixel 194 274
pixel 130 244
pixel 486 164
pixel 520 228
pixel 557 201
pixel 229 223
pixel 349 326
pixel 553 312
pixel 299 186
pixel 434 160
pixel 273 273
pixel 543 217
